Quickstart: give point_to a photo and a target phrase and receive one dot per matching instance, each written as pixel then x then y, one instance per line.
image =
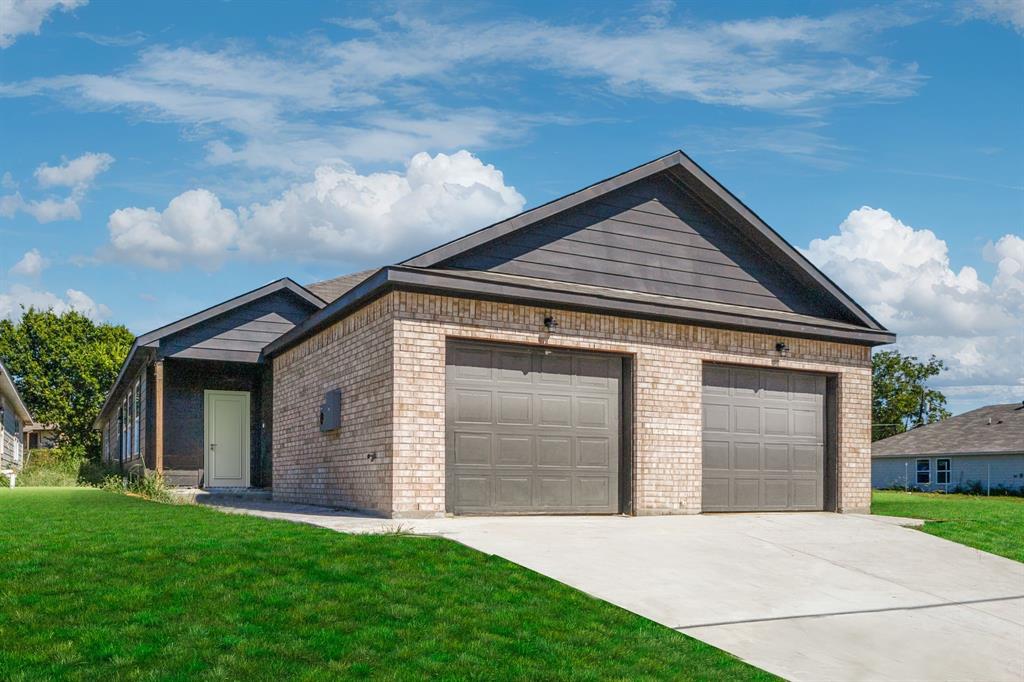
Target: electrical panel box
pixel 330 411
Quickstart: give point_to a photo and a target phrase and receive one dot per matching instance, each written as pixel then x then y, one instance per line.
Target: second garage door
pixel 763 439
pixel 531 430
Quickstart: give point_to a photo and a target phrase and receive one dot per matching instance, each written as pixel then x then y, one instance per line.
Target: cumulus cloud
pixel 20 297
pixel 18 17
pixel 339 214
pixel 904 277
pixel 382 215
pixel 193 229
pixel 76 174
pixel 31 264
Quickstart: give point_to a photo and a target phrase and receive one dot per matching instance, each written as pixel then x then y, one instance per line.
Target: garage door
pixel 763 440
pixel 531 430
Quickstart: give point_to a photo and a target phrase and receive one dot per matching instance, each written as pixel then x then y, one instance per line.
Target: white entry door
pixel 227 439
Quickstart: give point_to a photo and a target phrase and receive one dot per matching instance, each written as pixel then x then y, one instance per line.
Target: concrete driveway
pixel 808 596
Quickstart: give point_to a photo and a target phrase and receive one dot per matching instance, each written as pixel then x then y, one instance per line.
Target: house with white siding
pixel 14 417
pixel 982 450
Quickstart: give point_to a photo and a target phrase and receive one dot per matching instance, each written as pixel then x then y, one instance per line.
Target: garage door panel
pixel 536 432
pixel 554 451
pixel 593 412
pixel 514 451
pixel 473 407
pixel 745 419
pixel 594 452
pixel 763 442
pixel 473 449
pixel 514 408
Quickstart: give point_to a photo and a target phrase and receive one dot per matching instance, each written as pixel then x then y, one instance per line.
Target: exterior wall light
pixel 550 323
pixel 782 349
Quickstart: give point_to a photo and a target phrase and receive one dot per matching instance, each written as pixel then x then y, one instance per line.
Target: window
pixel 136 400
pixel 924 471
pixel 942 469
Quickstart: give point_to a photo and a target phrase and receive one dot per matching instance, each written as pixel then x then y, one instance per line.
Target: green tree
pixel 901 398
pixel 63 366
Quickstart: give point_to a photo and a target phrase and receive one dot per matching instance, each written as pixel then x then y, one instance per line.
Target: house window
pixel 135 411
pixel 924 471
pixel 942 469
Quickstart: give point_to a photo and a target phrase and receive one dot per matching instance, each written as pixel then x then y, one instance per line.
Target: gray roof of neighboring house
pixel 330 289
pixel 8 388
pixel 996 429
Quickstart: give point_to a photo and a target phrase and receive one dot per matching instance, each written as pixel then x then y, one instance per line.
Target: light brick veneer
pixel 411 329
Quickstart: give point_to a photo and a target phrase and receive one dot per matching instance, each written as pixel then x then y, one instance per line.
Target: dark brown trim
pixel 831 443
pixel 626 435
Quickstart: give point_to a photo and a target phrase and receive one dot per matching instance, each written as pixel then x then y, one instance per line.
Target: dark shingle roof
pixel 996 429
pixel 330 289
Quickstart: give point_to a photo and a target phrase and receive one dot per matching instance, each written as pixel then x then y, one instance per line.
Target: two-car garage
pixel 534 430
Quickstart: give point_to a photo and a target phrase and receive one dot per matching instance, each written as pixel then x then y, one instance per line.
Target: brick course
pixel 390 358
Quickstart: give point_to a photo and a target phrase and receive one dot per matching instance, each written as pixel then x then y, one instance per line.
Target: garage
pixel 531 430
pixel 763 439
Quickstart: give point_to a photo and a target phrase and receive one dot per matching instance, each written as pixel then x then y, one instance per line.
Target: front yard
pixel 98 585
pixel 992 524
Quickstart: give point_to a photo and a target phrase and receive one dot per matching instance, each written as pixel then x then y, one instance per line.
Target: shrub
pixel 148 485
pixel 55 467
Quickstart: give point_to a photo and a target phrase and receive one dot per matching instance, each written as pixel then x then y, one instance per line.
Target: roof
pixel 8 388
pixel 428 272
pixel 992 430
pixel 144 347
pixel 330 289
pixel 682 167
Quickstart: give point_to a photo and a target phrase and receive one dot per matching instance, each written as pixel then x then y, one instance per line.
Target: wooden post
pixel 158 418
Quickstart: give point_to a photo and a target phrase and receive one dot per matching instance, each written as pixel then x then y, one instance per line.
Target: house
pixel 982 449
pixel 40 436
pixel 646 345
pixel 14 417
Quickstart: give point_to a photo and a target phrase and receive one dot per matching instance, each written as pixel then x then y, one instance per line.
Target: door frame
pixel 246 447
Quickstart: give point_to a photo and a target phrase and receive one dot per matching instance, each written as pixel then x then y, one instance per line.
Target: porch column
pixel 158 417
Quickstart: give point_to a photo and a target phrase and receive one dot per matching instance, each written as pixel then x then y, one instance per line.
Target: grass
pixel 992 524
pixel 104 586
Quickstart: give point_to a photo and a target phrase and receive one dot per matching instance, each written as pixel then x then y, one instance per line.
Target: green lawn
pixel 97 585
pixel 992 524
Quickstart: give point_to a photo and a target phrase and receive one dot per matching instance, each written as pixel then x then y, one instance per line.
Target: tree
pixel 63 366
pixel 901 398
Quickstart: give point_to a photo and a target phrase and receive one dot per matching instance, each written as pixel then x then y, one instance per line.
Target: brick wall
pixel 667 361
pixel 350 467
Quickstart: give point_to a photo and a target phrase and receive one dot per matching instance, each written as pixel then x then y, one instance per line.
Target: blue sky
pixel 161 157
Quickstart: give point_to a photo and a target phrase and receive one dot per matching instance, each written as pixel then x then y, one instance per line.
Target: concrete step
pixel 214 495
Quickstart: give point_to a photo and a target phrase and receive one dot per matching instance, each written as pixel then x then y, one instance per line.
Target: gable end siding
pixel 652 236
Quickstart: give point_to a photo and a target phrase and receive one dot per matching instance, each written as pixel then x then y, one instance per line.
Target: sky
pixel 158 158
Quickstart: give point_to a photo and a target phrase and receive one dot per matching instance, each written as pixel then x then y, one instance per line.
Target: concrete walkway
pixel 807 596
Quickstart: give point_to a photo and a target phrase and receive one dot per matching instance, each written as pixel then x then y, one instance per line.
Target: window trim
pixel 939 471
pixel 927 472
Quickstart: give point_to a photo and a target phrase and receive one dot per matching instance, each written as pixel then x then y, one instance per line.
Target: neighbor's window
pixel 137 405
pixel 942 470
pixel 924 471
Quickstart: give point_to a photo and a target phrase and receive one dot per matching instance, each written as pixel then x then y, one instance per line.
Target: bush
pixel 150 486
pixel 55 467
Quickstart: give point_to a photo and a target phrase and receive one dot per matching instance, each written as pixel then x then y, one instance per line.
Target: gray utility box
pixel 330 411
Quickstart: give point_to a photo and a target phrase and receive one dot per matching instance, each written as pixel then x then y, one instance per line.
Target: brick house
pixel 646 345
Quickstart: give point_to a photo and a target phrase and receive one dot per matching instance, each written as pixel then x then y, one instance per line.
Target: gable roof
pixel 8 389
pixel 995 429
pixel 145 346
pixel 330 289
pixel 683 169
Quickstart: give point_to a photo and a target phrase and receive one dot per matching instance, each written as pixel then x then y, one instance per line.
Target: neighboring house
pixel 646 345
pixel 40 436
pixel 14 417
pixel 983 447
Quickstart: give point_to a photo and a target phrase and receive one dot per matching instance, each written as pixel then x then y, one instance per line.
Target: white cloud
pixel 18 17
pixel 903 276
pixel 18 296
pixel 339 214
pixel 31 264
pixel 1006 12
pixel 193 229
pixel 364 98
pixel 76 173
